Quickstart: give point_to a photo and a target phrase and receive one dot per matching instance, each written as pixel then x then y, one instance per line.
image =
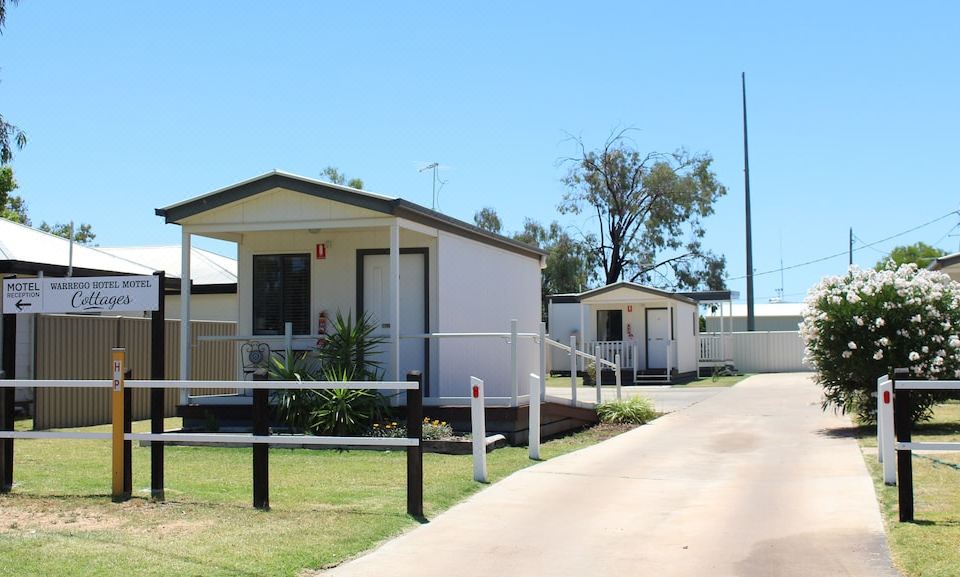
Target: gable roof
pixel 393 206
pixel 579 297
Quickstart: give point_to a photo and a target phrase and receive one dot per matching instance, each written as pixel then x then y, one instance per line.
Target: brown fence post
pixel 7 401
pixel 157 358
pixel 415 453
pixel 261 455
pixel 902 425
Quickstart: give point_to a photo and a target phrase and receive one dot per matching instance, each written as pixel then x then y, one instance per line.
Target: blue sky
pixel 853 110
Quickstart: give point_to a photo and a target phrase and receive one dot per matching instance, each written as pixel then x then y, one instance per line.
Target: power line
pixel 839 254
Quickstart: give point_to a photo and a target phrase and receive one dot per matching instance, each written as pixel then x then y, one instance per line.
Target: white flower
pixel 852 346
pixel 846 354
pixel 924 349
pixel 884 341
pixel 878 355
pixel 915 319
pixel 914 356
pixel 858 320
pixel 879 322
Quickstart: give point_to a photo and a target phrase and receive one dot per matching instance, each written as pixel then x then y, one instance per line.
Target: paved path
pixel 666 399
pixel 750 482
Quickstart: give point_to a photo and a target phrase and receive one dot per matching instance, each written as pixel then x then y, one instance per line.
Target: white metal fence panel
pixel 769 352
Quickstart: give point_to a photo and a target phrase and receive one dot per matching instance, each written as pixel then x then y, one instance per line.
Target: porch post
pixel 395 298
pixel 185 290
pixel 723 339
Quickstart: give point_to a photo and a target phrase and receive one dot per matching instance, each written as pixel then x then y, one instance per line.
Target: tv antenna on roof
pixel 436 198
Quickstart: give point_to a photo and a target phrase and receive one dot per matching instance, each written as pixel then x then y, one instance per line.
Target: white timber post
pixel 395 298
pixel 543 360
pixel 573 370
pixel 597 374
pixel 288 340
pixel 185 290
pixel 618 377
pixel 533 441
pixel 478 426
pixel 636 360
pixel 886 391
pixel 514 363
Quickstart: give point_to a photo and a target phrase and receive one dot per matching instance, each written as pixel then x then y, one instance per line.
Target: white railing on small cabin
pixel 716 347
pixel 599 363
pixel 608 350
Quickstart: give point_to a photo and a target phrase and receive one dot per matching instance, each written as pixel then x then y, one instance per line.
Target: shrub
pixel 347 355
pixel 633 411
pixel 863 325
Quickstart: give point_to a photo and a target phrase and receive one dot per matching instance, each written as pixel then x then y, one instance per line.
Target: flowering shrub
pixel 865 324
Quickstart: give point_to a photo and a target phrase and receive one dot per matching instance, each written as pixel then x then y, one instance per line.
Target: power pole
pixel 850 250
pixel 751 321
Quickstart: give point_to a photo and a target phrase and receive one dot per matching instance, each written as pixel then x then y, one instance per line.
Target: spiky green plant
pixel 351 348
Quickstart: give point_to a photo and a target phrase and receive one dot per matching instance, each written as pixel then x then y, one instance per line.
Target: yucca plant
pixel 351 347
pixel 294 405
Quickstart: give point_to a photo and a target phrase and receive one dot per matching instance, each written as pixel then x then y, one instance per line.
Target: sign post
pixel 118 360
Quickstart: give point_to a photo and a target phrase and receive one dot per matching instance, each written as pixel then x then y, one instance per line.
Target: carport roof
pixel 393 206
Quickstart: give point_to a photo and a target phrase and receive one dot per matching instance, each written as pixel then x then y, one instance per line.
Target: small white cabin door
pixel 374 298
pixel 658 338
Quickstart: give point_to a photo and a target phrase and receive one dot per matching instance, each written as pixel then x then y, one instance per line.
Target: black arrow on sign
pixel 22 305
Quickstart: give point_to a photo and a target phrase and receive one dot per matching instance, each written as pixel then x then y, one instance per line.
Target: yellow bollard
pixel 118 357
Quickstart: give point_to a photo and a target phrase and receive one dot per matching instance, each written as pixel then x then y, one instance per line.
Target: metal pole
pixel 543 360
pixel 597 374
pixel 185 290
pixel 746 196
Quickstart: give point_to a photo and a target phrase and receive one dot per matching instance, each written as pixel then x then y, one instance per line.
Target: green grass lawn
pixel 326 506
pixel 928 547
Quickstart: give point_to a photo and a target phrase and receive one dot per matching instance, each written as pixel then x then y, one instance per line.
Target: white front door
pixel 413 308
pixel 658 338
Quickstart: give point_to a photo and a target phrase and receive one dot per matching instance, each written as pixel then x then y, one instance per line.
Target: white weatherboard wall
pixel 481 289
pixel 769 352
pixel 564 321
pixel 685 331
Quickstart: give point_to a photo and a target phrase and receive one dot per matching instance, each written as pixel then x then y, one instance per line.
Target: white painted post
pixel 880 381
pixel 573 370
pixel 478 427
pixel 288 341
pixel 185 313
pixel 514 364
pixel 636 360
pixel 885 392
pixel 395 299
pixel 533 442
pixel 617 369
pixel 543 360
pixel 597 374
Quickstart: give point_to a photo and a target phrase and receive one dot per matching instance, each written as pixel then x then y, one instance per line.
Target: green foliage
pixel 10 135
pixel 633 411
pixel 332 174
pixel 350 349
pixel 84 235
pixel 487 219
pixel 571 265
pixel 589 373
pixel 11 207
pixel 919 253
pixel 649 210
pixel 347 355
pixel 863 325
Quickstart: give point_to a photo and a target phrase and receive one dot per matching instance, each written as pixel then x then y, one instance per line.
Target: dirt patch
pixel 25 515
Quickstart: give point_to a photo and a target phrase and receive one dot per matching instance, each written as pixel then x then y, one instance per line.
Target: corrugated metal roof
pixel 29 245
pixel 205 267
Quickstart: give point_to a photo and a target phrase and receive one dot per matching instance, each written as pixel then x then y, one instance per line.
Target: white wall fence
pixel 768 352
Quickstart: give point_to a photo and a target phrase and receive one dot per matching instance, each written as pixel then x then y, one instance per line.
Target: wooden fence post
pixel 119 404
pixel 157 355
pixel 261 454
pixel 903 422
pixel 415 453
pixel 8 400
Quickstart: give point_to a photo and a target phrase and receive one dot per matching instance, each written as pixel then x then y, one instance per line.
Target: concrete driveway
pixel 753 481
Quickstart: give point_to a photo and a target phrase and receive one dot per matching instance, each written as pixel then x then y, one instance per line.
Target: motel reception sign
pixel 111 294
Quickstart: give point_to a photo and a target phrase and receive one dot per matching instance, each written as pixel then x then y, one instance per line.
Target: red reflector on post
pixel 476 392
pixel 886 397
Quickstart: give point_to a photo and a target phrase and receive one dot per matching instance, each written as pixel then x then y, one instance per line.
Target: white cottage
pixel 656 333
pixel 307 249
